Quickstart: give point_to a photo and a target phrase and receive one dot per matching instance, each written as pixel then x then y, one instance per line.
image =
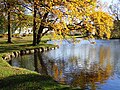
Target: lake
pixel 83 64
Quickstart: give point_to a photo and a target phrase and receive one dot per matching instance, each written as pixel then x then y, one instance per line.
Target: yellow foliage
pixel 104 22
pixel 70 12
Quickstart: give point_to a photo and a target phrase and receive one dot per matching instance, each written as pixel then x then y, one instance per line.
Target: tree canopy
pixel 65 16
pixel 82 15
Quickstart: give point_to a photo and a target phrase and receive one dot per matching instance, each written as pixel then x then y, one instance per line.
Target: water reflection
pixel 85 74
pixel 81 65
pixel 96 73
pixel 39 63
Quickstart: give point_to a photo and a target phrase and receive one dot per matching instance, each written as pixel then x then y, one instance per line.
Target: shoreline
pixel 14 78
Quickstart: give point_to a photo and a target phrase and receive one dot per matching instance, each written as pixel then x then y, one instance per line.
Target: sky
pixel 108 1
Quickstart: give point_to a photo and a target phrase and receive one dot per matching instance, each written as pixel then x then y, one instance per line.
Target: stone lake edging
pixel 15 54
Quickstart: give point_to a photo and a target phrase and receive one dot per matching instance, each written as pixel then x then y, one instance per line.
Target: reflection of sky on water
pixel 111 84
pixel 81 56
pixel 84 51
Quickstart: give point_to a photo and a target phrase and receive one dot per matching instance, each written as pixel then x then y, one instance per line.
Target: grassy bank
pixel 13 78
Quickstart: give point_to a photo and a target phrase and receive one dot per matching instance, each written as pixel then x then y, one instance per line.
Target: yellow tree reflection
pixel 96 73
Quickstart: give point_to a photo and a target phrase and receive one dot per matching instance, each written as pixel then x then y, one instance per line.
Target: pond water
pixel 83 65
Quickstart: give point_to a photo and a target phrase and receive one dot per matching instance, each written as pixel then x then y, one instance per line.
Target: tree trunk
pixel 34 25
pixel 9 31
pixel 39 35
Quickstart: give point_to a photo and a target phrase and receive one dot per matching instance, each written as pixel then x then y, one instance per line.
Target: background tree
pixel 114 9
pixel 6 8
pixel 12 9
pixel 34 23
pixel 3 23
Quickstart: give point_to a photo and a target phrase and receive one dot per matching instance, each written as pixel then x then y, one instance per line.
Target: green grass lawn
pixel 13 78
pixel 21 44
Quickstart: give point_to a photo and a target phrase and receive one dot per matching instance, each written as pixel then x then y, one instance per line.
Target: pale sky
pixel 108 1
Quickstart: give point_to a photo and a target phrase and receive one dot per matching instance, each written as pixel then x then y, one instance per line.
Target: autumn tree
pixel 34 23
pixel 6 8
pixel 13 10
pixel 3 23
pixel 58 15
pixel 65 16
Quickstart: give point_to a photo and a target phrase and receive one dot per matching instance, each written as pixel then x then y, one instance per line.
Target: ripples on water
pixel 83 65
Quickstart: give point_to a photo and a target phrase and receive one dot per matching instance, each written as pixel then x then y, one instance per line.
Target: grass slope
pixel 13 78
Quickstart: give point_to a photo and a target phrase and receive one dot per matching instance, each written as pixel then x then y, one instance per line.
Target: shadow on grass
pixel 10 47
pixel 20 46
pixel 30 82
